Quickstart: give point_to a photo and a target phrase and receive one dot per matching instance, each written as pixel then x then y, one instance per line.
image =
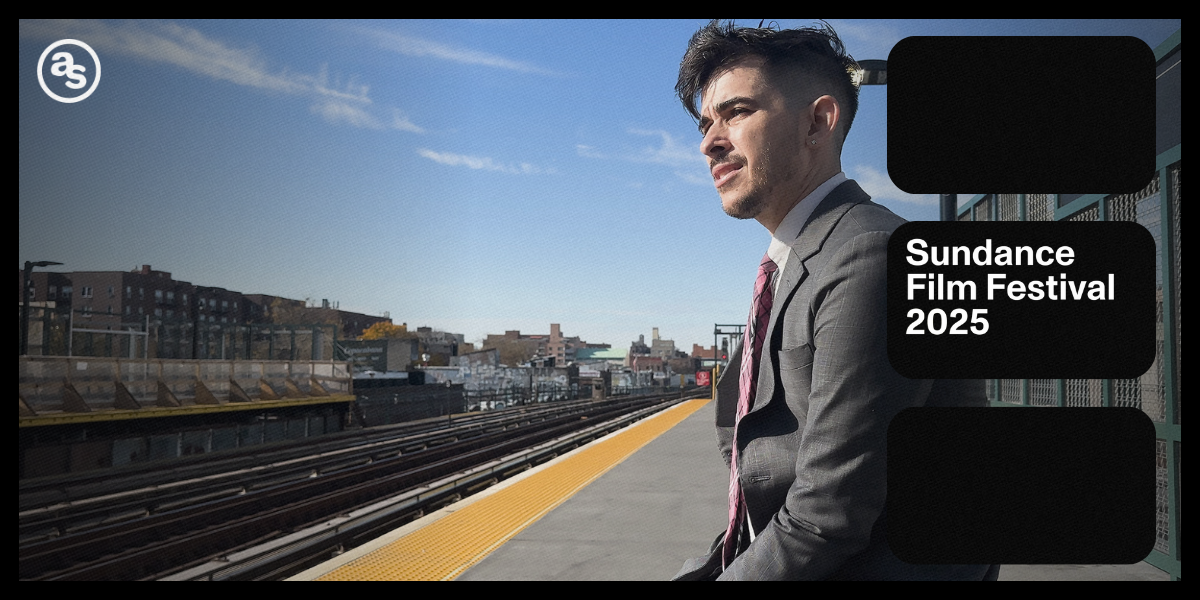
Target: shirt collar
pixel 790 227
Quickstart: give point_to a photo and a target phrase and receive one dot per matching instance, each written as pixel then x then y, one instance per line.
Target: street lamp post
pixel 29 265
pixel 949 204
pixel 874 72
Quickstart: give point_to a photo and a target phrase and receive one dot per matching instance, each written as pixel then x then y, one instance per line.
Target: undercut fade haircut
pixel 815 54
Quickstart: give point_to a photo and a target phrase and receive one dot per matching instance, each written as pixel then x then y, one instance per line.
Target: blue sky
pixel 471 176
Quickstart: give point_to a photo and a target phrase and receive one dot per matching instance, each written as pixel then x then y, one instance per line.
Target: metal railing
pixel 1157 391
pixel 50 383
pixel 67 331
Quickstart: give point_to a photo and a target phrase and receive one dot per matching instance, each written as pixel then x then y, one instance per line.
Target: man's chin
pixel 745 207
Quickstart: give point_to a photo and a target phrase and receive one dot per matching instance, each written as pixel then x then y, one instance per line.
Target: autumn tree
pixel 384 330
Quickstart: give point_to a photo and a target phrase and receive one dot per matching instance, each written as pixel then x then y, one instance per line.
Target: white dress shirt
pixel 792 225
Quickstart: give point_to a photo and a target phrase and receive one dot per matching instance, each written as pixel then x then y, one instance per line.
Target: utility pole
pixel 29 265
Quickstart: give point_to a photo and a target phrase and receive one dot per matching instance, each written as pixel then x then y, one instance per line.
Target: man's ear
pixel 824 114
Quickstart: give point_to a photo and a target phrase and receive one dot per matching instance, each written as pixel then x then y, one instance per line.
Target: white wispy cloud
pixel 589 151
pixel 192 51
pixel 347 113
pixel 419 47
pixel 401 122
pixel 484 163
pixel 670 152
pixel 337 111
pixel 880 187
pixel 685 161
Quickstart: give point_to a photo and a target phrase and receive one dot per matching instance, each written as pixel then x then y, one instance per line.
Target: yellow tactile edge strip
pixel 459 538
pixel 154 412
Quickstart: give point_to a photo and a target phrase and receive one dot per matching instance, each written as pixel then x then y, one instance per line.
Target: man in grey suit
pixel 808 474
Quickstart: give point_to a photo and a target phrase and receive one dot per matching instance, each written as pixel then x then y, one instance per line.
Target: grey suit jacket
pixel 812 449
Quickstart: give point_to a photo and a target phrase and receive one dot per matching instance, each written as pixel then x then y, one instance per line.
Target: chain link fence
pixel 59 331
pixel 1154 393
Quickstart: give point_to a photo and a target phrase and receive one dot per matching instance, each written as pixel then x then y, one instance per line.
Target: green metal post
pixel 1170 350
pixel 1170 344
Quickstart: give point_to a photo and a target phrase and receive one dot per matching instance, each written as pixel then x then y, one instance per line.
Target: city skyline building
pixel 554 345
pixel 145 298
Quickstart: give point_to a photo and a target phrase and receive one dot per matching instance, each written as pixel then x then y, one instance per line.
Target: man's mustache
pixel 726 158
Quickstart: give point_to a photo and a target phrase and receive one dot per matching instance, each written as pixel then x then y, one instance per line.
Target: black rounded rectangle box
pixel 1021 485
pixel 984 300
pixel 1021 113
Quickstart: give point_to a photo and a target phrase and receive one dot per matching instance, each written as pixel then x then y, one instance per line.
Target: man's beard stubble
pixel 753 200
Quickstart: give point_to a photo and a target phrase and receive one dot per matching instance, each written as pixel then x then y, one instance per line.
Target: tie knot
pixel 767 265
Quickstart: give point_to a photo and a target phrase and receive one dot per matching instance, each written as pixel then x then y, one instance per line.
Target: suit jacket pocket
pixel 792 359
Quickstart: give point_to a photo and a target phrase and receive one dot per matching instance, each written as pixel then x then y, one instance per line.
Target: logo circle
pixel 42 78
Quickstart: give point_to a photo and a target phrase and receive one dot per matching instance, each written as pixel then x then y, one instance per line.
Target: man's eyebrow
pixel 724 105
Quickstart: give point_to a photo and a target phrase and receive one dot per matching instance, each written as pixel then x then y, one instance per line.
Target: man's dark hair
pixel 814 53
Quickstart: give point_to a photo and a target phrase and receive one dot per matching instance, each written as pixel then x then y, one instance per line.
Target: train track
pixel 34 494
pixel 267 516
pixel 53 508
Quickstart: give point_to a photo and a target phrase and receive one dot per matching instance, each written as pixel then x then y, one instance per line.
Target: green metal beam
pixel 1081 203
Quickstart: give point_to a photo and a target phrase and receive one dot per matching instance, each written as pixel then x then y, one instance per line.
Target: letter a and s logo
pixel 66 67
pixel 62 64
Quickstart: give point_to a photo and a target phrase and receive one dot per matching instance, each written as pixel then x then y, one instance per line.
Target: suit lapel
pixel 793 273
pixel 812 237
pixel 727 389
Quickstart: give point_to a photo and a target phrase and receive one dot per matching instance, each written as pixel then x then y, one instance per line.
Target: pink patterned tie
pixel 756 331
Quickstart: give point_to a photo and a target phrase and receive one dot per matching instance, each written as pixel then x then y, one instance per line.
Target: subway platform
pixel 631 506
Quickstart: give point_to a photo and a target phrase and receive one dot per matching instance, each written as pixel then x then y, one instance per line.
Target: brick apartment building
pixel 117 300
pixel 553 345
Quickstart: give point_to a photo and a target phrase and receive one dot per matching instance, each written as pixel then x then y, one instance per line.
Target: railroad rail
pixel 291 510
pixel 54 506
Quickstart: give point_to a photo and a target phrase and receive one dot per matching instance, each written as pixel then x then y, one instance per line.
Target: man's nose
pixel 715 143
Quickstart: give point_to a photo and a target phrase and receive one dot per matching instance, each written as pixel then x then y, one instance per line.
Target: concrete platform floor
pixel 645 516
pixel 666 503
